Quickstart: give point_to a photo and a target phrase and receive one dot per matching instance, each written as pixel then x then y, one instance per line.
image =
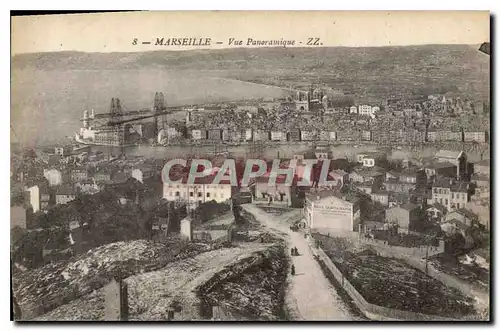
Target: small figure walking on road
pixel 293 270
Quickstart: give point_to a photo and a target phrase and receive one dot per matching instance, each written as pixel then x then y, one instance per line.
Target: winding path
pixel 311 292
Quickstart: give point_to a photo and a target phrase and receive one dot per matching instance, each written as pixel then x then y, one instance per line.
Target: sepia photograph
pixel 263 166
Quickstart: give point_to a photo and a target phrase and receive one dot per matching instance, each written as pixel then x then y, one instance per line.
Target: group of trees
pixel 114 214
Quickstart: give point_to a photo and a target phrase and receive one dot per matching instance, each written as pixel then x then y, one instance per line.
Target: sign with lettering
pixel 334 206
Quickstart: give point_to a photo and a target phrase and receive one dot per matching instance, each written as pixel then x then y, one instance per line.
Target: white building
pixel 371 159
pixel 142 172
pixel 38 197
pixel 353 110
pixel 365 110
pixel 327 213
pixel 54 177
pixel 201 191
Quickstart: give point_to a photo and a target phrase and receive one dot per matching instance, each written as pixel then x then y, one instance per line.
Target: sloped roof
pixel 440 165
pixel 443 153
pixel 394 173
pixel 368 172
pixel 453 185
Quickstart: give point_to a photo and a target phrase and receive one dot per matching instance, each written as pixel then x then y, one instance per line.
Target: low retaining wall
pixel 415 260
pixel 370 310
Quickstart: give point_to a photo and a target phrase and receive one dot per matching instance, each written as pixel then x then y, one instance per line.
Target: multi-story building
pixel 65 194
pixel 398 186
pixel 444 135
pixel 112 135
pixel 451 194
pixel 440 169
pixel 407 217
pixel 327 212
pixel 202 190
pixel 79 174
pixel 411 176
pixel 102 176
pixel 380 197
pixel 479 136
pixel 367 175
pixel 365 110
pixel 302 101
pixel 38 197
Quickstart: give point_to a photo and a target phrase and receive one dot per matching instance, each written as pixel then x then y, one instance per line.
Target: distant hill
pixel 244 58
pixel 485 48
pixel 427 68
pixel 51 90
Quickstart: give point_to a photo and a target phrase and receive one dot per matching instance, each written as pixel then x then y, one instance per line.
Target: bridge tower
pixel 158 106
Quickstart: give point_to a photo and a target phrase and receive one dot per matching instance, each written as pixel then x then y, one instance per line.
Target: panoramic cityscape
pixel 252 184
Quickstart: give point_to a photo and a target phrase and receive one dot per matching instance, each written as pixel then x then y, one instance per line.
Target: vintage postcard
pixel 251 166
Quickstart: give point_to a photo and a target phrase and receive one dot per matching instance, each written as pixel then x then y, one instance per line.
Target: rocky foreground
pixel 192 283
pixel 41 290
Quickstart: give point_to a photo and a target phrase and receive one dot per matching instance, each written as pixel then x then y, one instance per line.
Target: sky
pixel 114 32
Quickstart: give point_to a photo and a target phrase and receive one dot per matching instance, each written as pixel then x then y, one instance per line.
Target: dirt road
pixel 310 290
